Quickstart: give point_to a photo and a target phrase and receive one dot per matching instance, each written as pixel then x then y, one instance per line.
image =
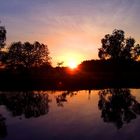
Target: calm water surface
pixel 70 115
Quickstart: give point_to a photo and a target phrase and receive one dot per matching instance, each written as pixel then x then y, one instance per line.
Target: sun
pixel 72 64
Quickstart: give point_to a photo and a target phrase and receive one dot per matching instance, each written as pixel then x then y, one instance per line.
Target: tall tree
pixel 116 46
pixel 2 44
pixel 27 55
pixel 2 36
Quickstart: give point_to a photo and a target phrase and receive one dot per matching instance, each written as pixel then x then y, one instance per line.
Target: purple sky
pixel 72 29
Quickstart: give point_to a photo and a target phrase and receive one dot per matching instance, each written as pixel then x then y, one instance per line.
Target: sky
pixel 72 29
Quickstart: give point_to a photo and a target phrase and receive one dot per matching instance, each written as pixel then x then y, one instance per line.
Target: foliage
pixel 30 104
pixel 27 55
pixel 110 66
pixel 3 127
pixel 59 64
pixel 118 106
pixel 2 42
pixel 2 36
pixel 116 46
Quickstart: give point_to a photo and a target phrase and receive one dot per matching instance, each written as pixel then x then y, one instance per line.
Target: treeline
pixel 28 65
pixel 108 66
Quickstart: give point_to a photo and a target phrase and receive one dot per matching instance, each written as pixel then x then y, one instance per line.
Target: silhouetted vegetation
pixel 28 66
pixel 27 55
pixel 29 104
pixel 2 43
pixel 118 106
pixel 2 36
pixel 23 56
pixel 3 128
pixel 62 98
pixel 116 46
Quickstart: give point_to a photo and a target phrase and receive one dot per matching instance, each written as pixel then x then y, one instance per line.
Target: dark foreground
pixel 93 74
pixel 71 80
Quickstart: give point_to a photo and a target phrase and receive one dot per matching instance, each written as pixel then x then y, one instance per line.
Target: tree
pixel 2 36
pixel 27 55
pixel 59 64
pixel 27 103
pixel 116 46
pixel 118 106
pixel 2 44
pixel 3 127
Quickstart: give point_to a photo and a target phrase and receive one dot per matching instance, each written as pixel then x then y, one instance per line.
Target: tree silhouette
pixel 2 44
pixel 118 106
pixel 62 98
pixel 2 36
pixel 116 46
pixel 27 55
pixel 28 103
pixel 59 64
pixel 3 127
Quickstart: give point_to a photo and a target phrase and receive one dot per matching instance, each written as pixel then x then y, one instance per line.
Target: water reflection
pixel 29 104
pixel 60 99
pixel 118 106
pixel 3 128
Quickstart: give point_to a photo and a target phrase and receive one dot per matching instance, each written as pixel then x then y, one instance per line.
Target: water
pixel 70 115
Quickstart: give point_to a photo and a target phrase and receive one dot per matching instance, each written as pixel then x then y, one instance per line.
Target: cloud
pixel 65 25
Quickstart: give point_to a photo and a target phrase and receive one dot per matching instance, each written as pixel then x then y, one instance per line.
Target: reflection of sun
pixel 72 64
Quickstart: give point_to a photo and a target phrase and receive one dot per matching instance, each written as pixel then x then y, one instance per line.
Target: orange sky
pixel 71 29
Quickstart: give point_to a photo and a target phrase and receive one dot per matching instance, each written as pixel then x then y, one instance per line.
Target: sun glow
pixel 72 64
pixel 70 59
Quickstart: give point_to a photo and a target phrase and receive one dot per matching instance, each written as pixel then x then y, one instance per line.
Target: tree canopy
pixel 2 43
pixel 118 106
pixel 116 46
pixel 2 36
pixel 27 55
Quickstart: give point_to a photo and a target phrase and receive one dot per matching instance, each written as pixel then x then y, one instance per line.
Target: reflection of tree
pixel 60 99
pixel 118 106
pixel 3 129
pixel 28 103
